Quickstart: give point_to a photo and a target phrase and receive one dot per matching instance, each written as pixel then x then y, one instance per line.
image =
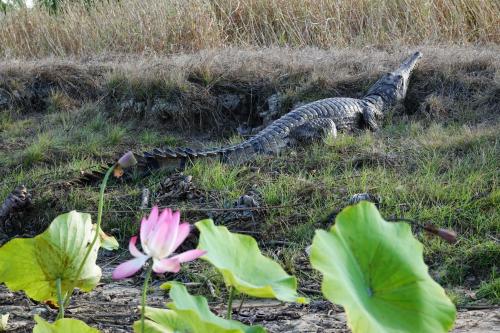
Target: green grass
pixel 115 135
pixel 490 290
pixel 427 171
pixel 215 176
pixel 39 150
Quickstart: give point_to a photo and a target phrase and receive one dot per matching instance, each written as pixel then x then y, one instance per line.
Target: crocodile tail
pixel 87 177
pixel 178 158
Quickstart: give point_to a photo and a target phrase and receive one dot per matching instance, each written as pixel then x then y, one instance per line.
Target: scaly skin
pixel 338 113
pixel 307 122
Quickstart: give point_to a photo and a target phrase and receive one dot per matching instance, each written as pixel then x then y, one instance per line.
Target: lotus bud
pixel 128 160
pixel 448 235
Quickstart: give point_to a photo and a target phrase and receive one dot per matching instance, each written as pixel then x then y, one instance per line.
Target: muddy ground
pixel 113 307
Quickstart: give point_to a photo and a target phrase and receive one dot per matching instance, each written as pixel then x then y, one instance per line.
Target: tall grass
pixel 159 27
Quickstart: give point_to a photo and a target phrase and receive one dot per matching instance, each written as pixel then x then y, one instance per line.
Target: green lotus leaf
pixel 238 259
pixel 375 269
pixel 35 264
pixel 189 313
pixel 65 325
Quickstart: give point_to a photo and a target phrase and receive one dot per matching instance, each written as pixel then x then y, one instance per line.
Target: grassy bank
pixel 435 159
pixel 162 27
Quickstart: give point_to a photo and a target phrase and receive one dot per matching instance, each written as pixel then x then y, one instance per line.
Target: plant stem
pixel 98 228
pixel 60 299
pixel 144 294
pixel 241 303
pixel 230 303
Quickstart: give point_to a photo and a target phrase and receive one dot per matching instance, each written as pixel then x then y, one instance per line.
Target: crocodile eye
pixel 399 81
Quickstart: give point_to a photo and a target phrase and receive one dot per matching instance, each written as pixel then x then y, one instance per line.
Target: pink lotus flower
pixel 161 234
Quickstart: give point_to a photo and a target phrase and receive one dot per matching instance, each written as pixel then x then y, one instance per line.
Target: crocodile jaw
pixel 402 74
pixel 392 86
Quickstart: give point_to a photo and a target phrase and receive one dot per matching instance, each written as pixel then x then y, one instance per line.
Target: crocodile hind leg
pixel 314 130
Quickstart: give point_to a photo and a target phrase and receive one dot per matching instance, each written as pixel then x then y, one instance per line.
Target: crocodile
pixel 303 124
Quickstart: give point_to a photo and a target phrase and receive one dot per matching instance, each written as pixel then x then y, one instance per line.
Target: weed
pixel 58 101
pixel 153 138
pixel 115 135
pixel 215 176
pixel 5 121
pixel 281 191
pixel 490 290
pixel 39 150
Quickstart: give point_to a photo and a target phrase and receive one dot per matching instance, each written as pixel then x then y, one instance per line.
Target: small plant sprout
pixel 161 234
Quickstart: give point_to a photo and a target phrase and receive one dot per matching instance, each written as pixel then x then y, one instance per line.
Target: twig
pixel 494 238
pixel 279 242
pixel 478 307
pixel 310 291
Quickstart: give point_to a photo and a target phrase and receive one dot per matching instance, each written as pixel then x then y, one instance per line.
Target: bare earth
pixel 113 307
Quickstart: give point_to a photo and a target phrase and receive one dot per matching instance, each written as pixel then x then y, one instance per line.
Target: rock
pixel 162 107
pixel 38 311
pixel 273 108
pixel 358 197
pixel 246 201
pixel 178 186
pixel 230 102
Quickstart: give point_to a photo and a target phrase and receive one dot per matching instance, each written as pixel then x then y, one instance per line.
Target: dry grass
pixel 452 83
pixel 160 27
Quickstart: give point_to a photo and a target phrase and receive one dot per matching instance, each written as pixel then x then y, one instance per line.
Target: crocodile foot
pixel 370 117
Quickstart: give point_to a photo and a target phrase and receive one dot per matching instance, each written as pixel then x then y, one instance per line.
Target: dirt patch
pixel 113 307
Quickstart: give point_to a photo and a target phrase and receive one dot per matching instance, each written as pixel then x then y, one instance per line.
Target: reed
pixel 171 26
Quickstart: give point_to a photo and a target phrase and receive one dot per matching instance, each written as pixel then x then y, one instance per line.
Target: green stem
pixel 60 299
pixel 144 294
pixel 230 303
pixel 241 303
pixel 96 236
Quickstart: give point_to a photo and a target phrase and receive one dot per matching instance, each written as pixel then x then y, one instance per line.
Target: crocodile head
pixel 392 86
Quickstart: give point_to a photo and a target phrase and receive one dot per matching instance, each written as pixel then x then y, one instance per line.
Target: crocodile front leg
pixel 370 117
pixel 313 130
